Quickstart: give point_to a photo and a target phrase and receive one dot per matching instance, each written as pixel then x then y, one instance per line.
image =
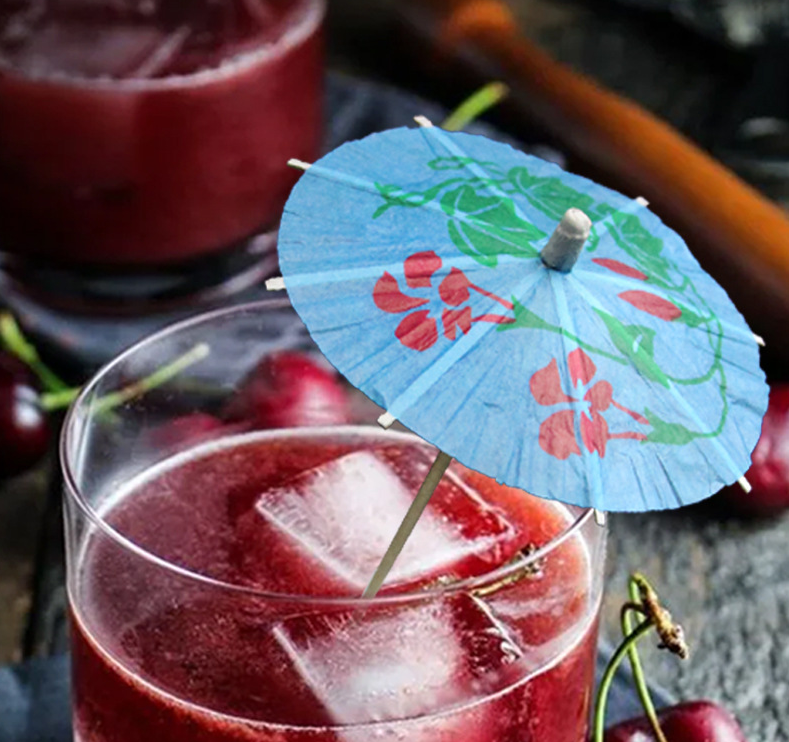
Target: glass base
pixel 79 321
pixel 134 290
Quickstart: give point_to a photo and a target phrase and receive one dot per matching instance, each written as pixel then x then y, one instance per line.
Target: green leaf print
pixel 458 163
pixel 525 318
pixel 485 227
pixel 637 344
pixel 549 195
pixel 674 434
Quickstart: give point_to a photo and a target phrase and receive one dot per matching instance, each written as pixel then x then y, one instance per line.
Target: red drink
pixel 149 132
pixel 245 625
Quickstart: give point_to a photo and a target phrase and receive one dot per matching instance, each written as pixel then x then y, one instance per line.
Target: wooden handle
pixel 739 236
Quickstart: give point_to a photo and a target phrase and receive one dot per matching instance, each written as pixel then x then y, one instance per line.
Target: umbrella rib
pixel 737 333
pixel 471 164
pixel 368 186
pixel 463 262
pixel 679 399
pixel 591 463
pixel 458 350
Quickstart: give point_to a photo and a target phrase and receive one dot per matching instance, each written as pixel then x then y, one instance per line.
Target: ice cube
pixel 325 530
pixel 396 663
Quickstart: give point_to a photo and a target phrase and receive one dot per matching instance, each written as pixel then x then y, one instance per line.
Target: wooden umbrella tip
pixel 575 223
pixel 567 241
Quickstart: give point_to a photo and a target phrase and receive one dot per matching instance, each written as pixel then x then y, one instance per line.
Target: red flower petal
pixel 581 367
pixel 546 385
pixel 454 288
pixel 417 330
pixel 454 318
pixel 621 268
pixel 652 304
pixel 599 396
pixel 420 267
pixel 387 296
pixel 594 433
pixel 557 435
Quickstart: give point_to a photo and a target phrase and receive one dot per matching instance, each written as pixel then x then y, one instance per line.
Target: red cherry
pixel 24 427
pixel 769 472
pixel 697 721
pixel 180 432
pixel 290 390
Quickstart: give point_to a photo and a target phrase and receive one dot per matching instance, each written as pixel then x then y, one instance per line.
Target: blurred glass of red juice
pixel 139 133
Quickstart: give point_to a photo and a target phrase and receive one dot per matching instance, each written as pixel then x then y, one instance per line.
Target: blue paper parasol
pixel 429 269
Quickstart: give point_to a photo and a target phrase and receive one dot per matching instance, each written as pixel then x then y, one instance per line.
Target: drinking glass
pixel 214 572
pixel 143 143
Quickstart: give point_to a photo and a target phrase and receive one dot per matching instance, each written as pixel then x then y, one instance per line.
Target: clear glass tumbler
pixel 216 559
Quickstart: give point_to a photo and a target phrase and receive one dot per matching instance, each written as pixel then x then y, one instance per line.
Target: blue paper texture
pixel 630 383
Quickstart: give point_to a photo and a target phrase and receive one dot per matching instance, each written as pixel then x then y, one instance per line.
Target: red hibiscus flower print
pixel 558 432
pixel 418 330
pixel 621 268
pixel 643 300
pixel 651 304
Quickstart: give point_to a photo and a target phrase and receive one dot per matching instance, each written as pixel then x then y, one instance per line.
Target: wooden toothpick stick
pixel 410 520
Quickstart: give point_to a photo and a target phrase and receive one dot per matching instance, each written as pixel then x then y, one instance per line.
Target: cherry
pixel 290 390
pixel 24 427
pixel 695 721
pixel 769 472
pixel 187 429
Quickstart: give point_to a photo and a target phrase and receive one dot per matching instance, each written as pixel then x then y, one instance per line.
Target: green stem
pixel 58 400
pixel 638 670
pixel 475 105
pixel 610 671
pixel 52 401
pixel 16 343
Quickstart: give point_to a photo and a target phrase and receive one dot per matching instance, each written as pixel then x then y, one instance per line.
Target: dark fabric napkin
pixel 34 700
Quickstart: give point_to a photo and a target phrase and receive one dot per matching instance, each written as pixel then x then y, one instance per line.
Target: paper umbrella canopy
pixel 429 269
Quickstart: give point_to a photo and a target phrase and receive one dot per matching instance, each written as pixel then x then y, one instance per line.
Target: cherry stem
pixel 610 671
pixel 475 105
pixel 17 344
pixel 63 398
pixel 635 663
pixel 643 600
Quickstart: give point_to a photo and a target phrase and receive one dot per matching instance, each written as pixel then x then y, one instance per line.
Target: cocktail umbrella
pixel 538 327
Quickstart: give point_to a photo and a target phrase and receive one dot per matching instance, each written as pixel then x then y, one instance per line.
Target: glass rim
pixel 75 494
pixel 294 33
